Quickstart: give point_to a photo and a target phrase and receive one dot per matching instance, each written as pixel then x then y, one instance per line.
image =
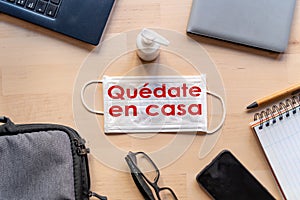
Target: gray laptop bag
pixel 43 161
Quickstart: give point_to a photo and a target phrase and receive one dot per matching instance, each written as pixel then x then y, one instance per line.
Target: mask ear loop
pixel 223 116
pixel 82 96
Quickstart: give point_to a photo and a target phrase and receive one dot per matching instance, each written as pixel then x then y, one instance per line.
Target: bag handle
pixel 8 126
pixel 93 194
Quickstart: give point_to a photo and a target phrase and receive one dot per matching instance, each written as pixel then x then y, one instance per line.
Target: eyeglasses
pixel 144 173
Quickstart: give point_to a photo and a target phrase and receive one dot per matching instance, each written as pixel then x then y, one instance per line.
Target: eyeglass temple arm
pixel 139 181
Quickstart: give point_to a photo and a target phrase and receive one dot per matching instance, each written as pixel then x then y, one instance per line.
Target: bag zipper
pixel 81 150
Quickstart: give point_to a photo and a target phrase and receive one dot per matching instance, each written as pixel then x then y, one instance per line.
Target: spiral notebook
pixel 278 131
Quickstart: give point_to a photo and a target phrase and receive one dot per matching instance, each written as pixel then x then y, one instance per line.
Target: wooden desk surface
pixel 39 67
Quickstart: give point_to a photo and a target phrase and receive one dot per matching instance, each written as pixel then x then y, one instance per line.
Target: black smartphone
pixel 226 178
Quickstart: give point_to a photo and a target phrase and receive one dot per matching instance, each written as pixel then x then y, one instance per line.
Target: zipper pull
pixel 81 149
pixel 93 194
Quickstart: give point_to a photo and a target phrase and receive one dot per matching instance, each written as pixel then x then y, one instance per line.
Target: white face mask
pixel 154 104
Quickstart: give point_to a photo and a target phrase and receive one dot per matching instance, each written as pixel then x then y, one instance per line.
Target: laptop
pixel 264 24
pixel 84 20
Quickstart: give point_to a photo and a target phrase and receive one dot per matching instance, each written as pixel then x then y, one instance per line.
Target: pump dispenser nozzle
pixel 148 43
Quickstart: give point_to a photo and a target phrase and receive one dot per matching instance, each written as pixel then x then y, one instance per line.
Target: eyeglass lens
pixel 166 194
pixel 147 167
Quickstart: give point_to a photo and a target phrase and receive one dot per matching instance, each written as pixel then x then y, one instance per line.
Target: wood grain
pixel 38 68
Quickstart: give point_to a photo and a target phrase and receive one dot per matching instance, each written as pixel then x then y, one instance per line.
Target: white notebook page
pixel 281 144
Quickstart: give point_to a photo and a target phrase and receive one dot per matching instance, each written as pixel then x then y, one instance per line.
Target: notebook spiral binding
pixel 268 116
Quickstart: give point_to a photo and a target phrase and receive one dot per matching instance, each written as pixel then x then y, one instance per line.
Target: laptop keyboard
pixel 84 20
pixel 48 8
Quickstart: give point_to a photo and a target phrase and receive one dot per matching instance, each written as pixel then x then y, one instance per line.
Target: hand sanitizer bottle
pixel 148 43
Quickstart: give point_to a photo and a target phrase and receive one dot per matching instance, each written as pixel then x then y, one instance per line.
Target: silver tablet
pixel 260 23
